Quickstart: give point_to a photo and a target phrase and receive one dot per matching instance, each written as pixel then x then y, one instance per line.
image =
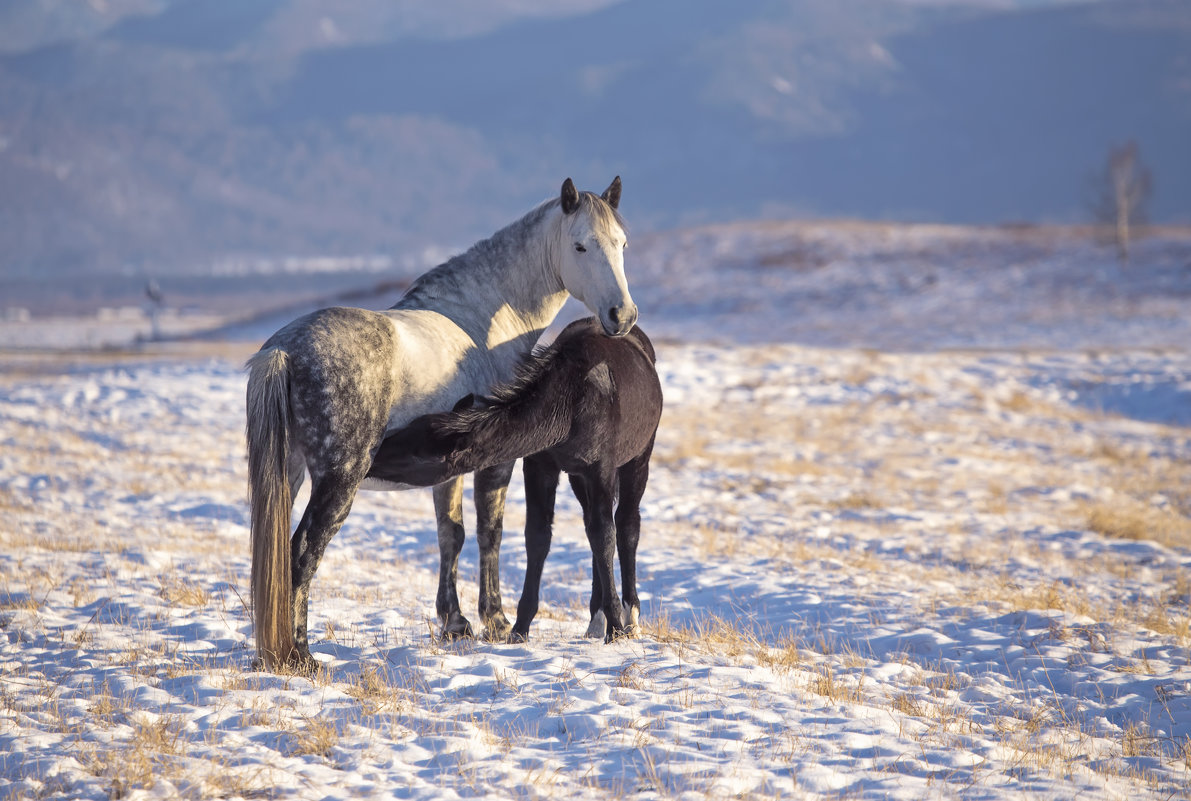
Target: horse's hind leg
pixel 632 477
pixel 448 510
pixel 331 498
pixel 491 488
pixel 295 470
pixel 541 485
pixel 601 535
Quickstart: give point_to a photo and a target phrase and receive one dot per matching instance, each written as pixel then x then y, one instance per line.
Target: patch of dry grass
pixel 733 640
pixel 318 736
pixel 373 689
pixel 179 591
pixel 857 500
pixel 1131 520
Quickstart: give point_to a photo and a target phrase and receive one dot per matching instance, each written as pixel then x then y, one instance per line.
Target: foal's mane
pixel 504 397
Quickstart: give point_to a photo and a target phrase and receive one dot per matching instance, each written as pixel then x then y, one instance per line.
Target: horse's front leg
pixel 491 488
pixel 448 511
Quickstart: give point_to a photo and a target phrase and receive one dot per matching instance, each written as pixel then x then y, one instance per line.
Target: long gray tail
pixel 269 498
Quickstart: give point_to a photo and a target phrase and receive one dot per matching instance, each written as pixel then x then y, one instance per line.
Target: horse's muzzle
pixel 619 320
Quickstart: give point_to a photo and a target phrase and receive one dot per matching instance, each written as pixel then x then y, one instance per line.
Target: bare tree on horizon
pixel 1121 195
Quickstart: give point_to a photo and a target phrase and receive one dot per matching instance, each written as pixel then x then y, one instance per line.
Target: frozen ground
pixel 873 564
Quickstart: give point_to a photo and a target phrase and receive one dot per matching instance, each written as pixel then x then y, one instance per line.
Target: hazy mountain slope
pixel 196 131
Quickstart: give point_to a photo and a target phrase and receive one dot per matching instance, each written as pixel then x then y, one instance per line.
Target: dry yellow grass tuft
pixel 858 500
pixel 185 593
pixel 1130 520
pixel 318 736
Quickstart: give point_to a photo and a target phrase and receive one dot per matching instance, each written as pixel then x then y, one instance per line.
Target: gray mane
pixel 444 280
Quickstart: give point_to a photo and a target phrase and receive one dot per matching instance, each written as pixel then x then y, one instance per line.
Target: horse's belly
pixel 380 485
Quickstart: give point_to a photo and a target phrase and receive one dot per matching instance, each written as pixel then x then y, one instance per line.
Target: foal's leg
pixel 541 484
pixel 491 487
pixel 598 626
pixel 448 510
pixel 331 498
pixel 632 477
pixel 601 535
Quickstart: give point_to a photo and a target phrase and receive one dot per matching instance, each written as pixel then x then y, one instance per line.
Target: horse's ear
pixel 612 194
pixel 570 197
pixel 466 402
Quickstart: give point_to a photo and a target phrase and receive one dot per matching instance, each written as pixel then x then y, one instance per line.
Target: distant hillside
pixel 155 136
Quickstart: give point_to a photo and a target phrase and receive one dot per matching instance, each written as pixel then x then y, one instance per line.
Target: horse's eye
pixel 625 246
pixel 580 248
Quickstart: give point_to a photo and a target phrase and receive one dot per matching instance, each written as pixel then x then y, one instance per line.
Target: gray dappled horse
pixel 324 389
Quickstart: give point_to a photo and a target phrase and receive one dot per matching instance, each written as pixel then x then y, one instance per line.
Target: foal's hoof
pixel 632 620
pixel 597 629
pixel 618 634
pixel 518 637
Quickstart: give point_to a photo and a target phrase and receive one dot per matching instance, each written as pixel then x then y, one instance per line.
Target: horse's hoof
pixel 497 629
pixel 518 637
pixel 457 628
pixel 301 663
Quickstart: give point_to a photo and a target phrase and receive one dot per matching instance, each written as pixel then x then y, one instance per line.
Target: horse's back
pixel 618 385
pixel 356 373
pixel 334 332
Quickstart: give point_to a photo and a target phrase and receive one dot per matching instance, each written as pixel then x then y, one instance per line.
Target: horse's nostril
pixel 614 315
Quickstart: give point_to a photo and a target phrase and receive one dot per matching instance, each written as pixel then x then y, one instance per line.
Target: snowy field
pixel 918 526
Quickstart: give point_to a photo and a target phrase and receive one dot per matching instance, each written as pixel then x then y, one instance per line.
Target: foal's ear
pixel 466 402
pixel 570 197
pixel 612 194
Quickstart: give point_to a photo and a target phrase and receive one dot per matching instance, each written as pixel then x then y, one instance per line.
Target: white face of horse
pixel 591 261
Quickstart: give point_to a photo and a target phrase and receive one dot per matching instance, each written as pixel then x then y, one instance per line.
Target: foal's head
pixel 591 260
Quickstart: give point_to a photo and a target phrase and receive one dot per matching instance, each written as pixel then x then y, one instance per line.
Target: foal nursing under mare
pixel 588 405
pixel 324 389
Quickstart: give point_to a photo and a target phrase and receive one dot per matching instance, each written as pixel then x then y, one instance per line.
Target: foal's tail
pixel 270 498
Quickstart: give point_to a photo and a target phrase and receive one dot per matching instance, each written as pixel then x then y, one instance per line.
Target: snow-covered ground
pixel 917 527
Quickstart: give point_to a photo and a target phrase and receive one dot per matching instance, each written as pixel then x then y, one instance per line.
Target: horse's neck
pixel 504 291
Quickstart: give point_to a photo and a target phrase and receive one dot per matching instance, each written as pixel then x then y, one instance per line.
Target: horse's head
pixel 591 256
